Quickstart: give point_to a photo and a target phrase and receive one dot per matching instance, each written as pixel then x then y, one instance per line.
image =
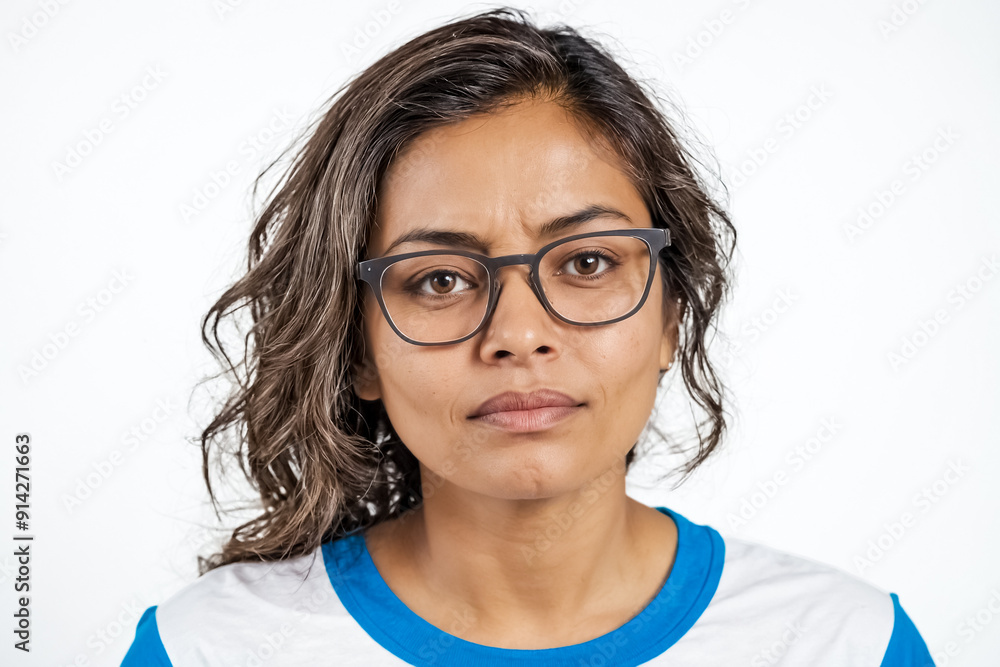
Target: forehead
pixel 501 176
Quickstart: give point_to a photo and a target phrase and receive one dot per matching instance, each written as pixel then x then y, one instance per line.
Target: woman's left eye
pixel 587 264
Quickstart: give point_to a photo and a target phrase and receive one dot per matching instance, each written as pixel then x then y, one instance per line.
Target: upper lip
pixel 515 400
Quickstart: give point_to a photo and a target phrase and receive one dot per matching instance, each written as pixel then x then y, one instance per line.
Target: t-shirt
pixel 725 602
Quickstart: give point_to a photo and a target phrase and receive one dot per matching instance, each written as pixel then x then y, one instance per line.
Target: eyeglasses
pixel 440 297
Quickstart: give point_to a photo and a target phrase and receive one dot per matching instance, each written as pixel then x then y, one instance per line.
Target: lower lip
pixel 526 421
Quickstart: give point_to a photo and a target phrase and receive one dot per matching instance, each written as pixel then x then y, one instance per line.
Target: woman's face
pixel 501 177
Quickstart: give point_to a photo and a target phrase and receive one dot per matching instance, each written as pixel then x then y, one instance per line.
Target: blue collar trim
pixel 689 588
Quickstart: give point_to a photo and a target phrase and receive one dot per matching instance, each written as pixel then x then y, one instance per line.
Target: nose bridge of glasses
pixel 497 263
pixel 511 260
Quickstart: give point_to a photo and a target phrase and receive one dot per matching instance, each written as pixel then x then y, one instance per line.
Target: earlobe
pixel 366 384
pixel 364 371
pixel 666 350
pixel 668 344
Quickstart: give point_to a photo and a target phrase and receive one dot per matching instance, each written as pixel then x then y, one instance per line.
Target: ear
pixel 668 344
pixel 667 348
pixel 366 384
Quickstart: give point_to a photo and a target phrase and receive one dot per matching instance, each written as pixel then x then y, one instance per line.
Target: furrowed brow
pixel 451 238
pixel 587 214
pixel 443 237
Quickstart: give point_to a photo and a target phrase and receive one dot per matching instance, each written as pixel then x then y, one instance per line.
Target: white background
pixel 871 87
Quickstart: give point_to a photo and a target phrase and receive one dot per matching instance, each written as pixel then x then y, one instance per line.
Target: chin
pixel 534 477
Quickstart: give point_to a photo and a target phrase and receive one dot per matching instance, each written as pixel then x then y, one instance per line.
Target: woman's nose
pixel 520 324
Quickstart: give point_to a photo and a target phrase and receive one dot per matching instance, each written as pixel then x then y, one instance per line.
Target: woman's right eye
pixel 442 283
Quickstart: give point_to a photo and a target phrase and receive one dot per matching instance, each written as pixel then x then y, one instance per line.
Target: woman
pixel 465 295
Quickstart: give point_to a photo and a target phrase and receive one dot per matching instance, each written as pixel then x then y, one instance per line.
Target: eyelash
pixel 415 287
pixel 593 253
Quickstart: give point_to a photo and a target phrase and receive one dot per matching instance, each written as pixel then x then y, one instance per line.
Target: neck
pixel 521 566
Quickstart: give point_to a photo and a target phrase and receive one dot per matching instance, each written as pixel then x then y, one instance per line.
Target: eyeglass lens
pixel 441 298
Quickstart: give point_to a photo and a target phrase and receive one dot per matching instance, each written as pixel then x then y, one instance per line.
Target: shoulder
pixel 774 578
pixel 244 609
pixel 225 594
pixel 246 604
pixel 786 606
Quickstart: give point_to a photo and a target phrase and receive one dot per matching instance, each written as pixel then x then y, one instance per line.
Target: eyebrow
pixel 447 237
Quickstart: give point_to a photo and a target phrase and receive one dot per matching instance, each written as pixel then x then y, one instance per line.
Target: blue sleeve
pixel 147 649
pixel 906 646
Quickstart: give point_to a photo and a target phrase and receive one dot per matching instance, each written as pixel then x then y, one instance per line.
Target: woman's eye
pixel 587 264
pixel 444 282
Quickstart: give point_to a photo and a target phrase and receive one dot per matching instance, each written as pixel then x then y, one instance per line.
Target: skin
pixel 524 540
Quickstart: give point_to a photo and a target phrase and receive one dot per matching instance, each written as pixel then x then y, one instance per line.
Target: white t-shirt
pixel 725 602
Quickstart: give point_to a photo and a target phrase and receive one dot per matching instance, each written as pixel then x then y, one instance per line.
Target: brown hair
pixel 325 462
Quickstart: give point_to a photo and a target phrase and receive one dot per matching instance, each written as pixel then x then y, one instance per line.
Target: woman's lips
pixel 526 421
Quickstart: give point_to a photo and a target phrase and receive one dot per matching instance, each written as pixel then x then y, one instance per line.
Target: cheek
pixel 420 387
pixel 625 364
pixel 389 352
pixel 423 397
pixel 627 349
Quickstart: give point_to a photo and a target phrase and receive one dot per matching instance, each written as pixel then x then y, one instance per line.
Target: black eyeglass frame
pixel 371 272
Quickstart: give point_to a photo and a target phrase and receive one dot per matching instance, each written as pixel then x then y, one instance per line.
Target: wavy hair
pixel 325 462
